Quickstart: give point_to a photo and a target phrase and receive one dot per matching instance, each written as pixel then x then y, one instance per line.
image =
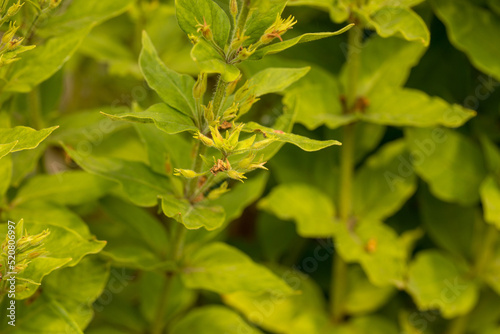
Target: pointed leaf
pixel 165 118
pixel 224 269
pixel 281 46
pixel 175 89
pixel 304 143
pixel 7 148
pixel 193 216
pixel 26 138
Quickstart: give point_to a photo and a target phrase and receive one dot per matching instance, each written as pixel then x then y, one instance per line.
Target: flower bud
pixel 9 34
pixel 187 173
pixel 200 87
pixel 208 112
pixel 205 30
pixel 236 175
pixel 233 7
pixel 14 9
pixel 54 3
pixel 204 139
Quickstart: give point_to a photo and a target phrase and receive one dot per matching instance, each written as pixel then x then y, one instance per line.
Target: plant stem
pixel 219 96
pixel 159 322
pixel 338 284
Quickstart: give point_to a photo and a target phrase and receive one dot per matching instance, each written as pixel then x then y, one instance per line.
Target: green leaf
pixel 441 157
pixel 490 197
pixel 437 281
pixel 312 210
pixel 193 216
pixel 275 80
pixel 470 28
pixel 191 13
pixel 281 46
pixel 25 138
pixel 67 188
pixel 436 218
pixel 175 89
pixel 180 298
pixel 65 303
pixel 375 5
pixel 41 63
pixel 139 222
pixel 301 312
pixel 211 61
pixel 82 14
pixel 314 107
pixel 392 182
pixel 142 191
pixel 306 144
pixel 65 247
pixel 362 296
pixel 165 118
pixel 7 148
pixel 224 269
pixel 213 320
pixel 234 203
pixel 399 21
pixel 24 162
pixel 376 247
pixel 409 107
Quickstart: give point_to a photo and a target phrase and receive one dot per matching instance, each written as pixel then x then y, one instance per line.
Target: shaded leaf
pixel 470 28
pixel 142 191
pixel 391 181
pixel 67 188
pixel 441 157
